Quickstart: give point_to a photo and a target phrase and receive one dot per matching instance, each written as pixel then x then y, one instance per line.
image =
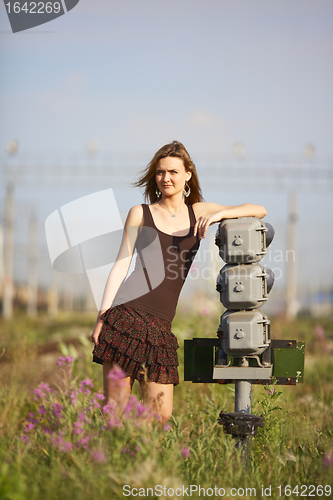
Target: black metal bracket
pixel 241 425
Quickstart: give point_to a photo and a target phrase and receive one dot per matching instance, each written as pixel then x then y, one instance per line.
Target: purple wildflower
pixel 270 391
pixel 82 417
pixel 67 446
pixel 33 420
pixel 56 410
pixel 28 427
pixel 319 331
pixel 110 408
pixel 58 442
pixel 84 384
pixel 83 442
pixel 45 387
pixel 42 410
pixel 65 360
pixel 128 409
pixel 328 458
pixel 78 428
pixel 114 422
pixel 59 439
pixel 99 456
pixel 116 373
pixel 73 397
pixel 185 452
pixel 87 382
pixel 93 404
pixel 167 427
pixel 42 391
pixel 99 396
pixel 140 409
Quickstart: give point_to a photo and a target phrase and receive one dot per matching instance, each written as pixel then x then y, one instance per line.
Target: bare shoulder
pixel 135 216
pixel 204 208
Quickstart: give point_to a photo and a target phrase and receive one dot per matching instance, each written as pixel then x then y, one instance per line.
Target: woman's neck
pixel 172 203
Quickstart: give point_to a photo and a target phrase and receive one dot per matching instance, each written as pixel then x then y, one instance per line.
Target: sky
pixel 136 74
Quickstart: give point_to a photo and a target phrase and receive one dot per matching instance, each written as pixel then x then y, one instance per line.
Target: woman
pixel 135 333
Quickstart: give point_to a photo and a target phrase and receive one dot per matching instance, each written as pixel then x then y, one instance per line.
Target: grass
pixel 73 451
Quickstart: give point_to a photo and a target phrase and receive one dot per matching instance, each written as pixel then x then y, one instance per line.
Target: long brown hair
pixel 147 179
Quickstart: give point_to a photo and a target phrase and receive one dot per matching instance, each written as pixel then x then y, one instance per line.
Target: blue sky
pixel 135 74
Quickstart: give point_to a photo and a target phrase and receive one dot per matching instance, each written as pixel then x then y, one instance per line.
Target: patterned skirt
pixel 140 343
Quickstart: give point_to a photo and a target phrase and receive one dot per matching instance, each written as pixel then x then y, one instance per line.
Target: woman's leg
pixel 116 390
pixel 158 397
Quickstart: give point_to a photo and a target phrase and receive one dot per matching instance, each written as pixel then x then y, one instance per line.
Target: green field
pixel 56 444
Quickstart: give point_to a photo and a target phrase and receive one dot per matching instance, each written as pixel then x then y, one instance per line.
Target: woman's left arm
pixel 208 213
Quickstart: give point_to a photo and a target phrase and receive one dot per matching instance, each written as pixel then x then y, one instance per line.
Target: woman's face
pixel 171 175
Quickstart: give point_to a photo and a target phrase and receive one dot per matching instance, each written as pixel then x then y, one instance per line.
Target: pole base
pixel 241 425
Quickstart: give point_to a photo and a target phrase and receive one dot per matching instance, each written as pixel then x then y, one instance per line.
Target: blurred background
pixel 87 99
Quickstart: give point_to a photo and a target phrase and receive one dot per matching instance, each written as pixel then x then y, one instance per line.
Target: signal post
pixel 243 352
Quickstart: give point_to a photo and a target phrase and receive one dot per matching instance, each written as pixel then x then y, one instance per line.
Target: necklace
pixel 173 215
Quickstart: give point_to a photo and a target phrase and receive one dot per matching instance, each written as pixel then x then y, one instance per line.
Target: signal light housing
pixel 243 240
pixel 244 286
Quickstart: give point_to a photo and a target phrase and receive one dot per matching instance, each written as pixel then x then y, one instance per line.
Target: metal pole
pixel 8 291
pixel 243 392
pixel 2 261
pixel 32 270
pixel 292 304
pixel 53 296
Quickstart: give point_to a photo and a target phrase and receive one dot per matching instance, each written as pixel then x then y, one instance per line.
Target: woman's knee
pixel 162 412
pixel 165 415
pixel 159 397
pixel 117 389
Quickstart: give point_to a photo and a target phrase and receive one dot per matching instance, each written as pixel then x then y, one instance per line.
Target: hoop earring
pixel 187 190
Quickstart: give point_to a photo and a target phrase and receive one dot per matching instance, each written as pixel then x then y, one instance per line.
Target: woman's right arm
pixel 120 268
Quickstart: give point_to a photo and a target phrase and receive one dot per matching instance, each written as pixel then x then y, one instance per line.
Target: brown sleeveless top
pixel 162 264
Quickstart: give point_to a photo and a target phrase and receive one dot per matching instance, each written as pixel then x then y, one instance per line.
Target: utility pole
pixel 2 262
pixel 32 266
pixel 53 295
pixel 8 291
pixel 291 293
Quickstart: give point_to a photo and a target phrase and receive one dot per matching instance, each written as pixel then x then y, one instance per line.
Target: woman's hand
pixel 204 222
pixel 96 332
pixel 208 213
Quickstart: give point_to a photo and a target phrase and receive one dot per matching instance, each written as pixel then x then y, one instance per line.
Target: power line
pixel 278 172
